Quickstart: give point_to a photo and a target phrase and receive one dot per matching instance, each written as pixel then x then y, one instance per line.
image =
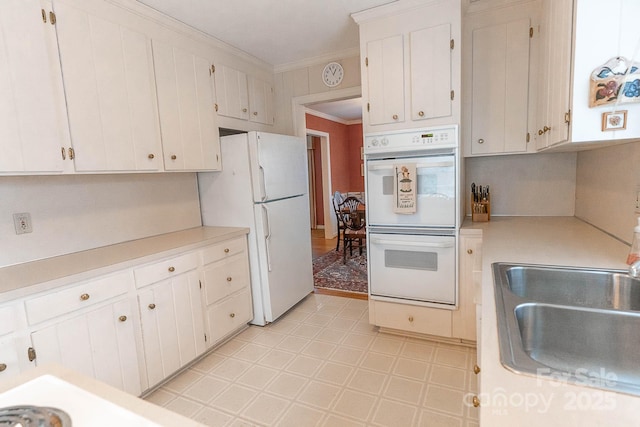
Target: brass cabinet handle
pixel 152 306
pixel 64 153
pixel 122 318
pixel 469 251
pixel 475 401
pixel 395 117
pixel 173 157
pixel 84 297
pixel 3 366
pixel 544 130
pixel 476 369
pixel 232 315
pixel 151 156
pixel 421 113
pixel 410 318
pixel 226 250
pixel 172 269
pixel 44 16
pixel 229 279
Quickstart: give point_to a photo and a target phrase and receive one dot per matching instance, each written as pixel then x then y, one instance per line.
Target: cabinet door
pixel 172 325
pixel 469 283
pixel 13 357
pixel 188 118
pixel 100 344
pixel 430 71
pixel 260 101
pixel 33 123
pixel 500 88
pixel 232 92
pixel 556 29
pixel 385 76
pixel 108 78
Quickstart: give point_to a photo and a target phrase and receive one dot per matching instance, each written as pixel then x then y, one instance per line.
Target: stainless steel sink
pixel 574 324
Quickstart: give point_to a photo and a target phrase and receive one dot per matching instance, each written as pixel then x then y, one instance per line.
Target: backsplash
pixel 607 180
pixel 77 212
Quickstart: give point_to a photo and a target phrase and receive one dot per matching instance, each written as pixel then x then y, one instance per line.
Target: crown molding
pixel 317 60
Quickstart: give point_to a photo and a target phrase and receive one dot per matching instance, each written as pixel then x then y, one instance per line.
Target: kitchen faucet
pixel 634 269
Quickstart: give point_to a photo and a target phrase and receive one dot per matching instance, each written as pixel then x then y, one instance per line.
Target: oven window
pixel 426 184
pixel 411 260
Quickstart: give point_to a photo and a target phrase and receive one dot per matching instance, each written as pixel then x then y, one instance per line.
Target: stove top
pixel 33 416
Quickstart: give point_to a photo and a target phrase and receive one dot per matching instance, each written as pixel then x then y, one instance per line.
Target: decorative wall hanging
pixel 617 80
pixel 614 120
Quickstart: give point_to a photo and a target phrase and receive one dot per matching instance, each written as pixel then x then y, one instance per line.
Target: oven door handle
pixel 417 244
pixel 418 166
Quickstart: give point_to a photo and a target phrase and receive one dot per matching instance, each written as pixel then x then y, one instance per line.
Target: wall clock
pixel 332 74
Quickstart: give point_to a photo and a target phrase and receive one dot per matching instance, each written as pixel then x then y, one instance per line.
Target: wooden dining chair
pixel 337 200
pixel 354 226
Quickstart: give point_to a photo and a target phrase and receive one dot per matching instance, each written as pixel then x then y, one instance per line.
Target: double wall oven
pixel 412 191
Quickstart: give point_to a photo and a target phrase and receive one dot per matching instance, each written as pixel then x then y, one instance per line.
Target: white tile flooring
pixel 322 364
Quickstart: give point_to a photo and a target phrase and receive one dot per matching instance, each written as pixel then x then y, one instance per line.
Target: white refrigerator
pixel 263 186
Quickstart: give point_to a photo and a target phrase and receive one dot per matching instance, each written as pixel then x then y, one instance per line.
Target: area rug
pixel 329 272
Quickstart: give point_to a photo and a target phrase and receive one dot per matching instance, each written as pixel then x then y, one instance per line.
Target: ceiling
pixel 279 32
pixel 347 109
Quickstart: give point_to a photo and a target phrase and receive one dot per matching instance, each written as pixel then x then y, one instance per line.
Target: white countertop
pixel 88 402
pixel 41 275
pixel 507 398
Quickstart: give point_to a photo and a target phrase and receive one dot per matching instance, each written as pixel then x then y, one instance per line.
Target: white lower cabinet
pixel 172 324
pixel 99 343
pixel 226 288
pixel 410 318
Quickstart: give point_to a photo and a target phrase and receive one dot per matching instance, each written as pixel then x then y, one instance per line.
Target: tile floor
pixel 322 364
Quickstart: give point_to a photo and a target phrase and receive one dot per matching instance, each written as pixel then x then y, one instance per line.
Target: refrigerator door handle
pixel 263 187
pixel 267 237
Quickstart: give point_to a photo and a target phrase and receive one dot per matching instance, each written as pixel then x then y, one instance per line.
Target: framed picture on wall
pixel 614 120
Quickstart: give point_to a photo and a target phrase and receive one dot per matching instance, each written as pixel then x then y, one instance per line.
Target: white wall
pixel 525 185
pixel 77 212
pixel 607 180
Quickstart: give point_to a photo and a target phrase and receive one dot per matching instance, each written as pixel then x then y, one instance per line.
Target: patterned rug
pixel 329 272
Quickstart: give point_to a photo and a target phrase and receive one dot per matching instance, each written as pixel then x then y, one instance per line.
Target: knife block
pixel 481 211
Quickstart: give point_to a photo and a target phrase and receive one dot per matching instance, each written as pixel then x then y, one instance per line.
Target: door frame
pixel 298 105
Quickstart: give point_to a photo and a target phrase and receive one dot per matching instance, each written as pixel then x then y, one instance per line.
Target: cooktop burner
pixel 33 416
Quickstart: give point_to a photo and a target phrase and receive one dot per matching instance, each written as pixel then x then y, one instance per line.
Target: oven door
pixel 435 192
pixel 413 267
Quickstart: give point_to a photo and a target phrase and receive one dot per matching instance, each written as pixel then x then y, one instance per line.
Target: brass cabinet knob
pixel 3 366
pixel 122 318
pixel 244 110
pixel 229 279
pixel 172 269
pixel 481 141
pixel 469 251
pixel 84 297
pixel 410 318
pixel 255 113
pixel 151 156
pixel 226 250
pixel 395 117
pixel 421 113
pixel 173 157
pixel 476 369
pixel 152 306
pixel 232 315
pixel 475 401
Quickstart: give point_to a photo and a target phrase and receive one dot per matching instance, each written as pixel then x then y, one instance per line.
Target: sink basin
pixel 577 325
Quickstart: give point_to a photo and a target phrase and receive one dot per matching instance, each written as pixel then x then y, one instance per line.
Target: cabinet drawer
pixel 229 315
pixel 224 250
pixel 161 270
pixel 412 318
pixel 65 301
pixel 225 277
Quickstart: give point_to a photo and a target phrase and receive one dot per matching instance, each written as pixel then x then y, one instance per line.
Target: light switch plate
pixel 22 222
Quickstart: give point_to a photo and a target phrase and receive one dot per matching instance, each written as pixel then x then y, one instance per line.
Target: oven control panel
pixel 409 140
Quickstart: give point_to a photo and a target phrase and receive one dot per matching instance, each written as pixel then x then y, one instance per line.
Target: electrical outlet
pixel 22 222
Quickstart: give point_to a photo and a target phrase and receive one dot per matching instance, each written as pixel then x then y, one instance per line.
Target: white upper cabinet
pixel 411 65
pixel 500 85
pixel 109 86
pixel 243 96
pixel 33 123
pixel 385 72
pixel 188 118
pixel 576 42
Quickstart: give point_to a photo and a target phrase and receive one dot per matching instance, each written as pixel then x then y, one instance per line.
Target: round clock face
pixel 332 74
